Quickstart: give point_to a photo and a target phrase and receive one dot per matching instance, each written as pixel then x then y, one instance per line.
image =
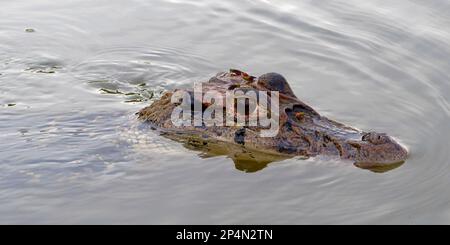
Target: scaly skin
pixel 302 130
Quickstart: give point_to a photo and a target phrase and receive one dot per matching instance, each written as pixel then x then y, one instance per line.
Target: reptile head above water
pixel 301 130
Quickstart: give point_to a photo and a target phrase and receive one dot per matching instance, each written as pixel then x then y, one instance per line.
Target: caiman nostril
pixel 375 138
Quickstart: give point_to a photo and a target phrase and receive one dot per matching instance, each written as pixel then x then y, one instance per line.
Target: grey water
pixel 73 73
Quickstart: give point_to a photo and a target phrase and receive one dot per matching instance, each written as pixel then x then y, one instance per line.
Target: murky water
pixel 72 75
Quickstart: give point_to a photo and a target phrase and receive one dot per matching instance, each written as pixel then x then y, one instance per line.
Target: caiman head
pixel 302 130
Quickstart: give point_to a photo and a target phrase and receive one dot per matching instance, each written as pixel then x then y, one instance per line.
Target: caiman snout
pixel 378 149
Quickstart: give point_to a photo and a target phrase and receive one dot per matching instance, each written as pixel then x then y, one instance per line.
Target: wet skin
pixel 302 130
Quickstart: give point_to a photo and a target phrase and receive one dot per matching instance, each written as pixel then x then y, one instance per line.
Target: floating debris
pixel 23 131
pixel 134 101
pixel 137 93
pixel 43 69
pixel 29 30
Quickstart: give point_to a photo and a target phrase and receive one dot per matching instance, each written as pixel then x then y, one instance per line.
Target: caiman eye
pixel 275 82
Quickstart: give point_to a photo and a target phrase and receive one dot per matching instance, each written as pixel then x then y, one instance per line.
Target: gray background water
pixel 71 153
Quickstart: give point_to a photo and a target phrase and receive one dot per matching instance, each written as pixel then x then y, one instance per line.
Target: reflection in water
pixel 249 160
pixel 381 169
pixel 245 160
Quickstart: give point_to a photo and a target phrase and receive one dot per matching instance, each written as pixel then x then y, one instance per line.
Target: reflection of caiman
pixel 302 131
